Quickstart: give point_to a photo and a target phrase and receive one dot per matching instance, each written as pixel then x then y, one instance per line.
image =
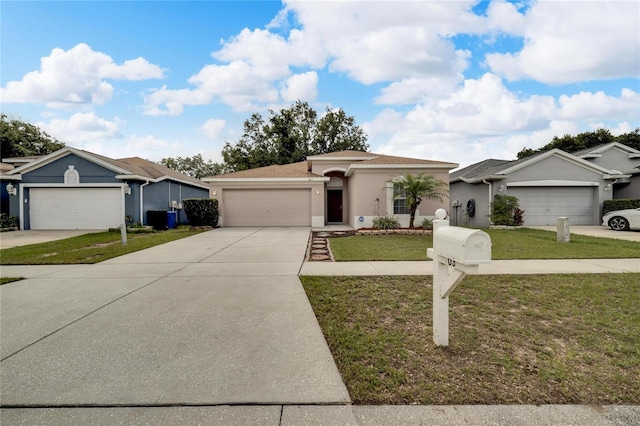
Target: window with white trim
pixel 399 201
pixel 71 176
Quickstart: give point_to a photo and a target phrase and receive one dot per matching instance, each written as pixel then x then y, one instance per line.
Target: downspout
pixel 490 195
pixel 142 201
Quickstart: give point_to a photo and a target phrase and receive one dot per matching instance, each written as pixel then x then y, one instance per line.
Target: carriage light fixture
pixel 12 190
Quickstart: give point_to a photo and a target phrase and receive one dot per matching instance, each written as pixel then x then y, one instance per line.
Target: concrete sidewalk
pixel 326 415
pixel 559 266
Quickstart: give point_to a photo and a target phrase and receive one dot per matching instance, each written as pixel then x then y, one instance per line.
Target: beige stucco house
pixel 346 187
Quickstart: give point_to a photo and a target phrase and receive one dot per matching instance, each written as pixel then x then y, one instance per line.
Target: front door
pixel 334 205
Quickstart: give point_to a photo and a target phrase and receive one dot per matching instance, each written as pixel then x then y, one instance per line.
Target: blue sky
pixel 457 81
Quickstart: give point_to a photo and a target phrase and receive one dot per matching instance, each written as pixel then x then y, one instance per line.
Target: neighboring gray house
pixel 620 159
pixel 76 189
pixel 548 185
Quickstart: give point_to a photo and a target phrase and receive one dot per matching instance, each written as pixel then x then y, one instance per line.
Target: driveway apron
pixel 215 319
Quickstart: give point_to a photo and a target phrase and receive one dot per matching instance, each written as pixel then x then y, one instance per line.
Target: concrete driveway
pixel 216 319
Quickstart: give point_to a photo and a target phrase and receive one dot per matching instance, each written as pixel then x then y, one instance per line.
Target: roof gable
pixel 600 150
pixel 134 168
pixel 526 162
pixel 498 169
pixel 61 153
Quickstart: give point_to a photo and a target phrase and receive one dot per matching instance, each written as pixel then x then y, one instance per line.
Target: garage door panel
pixel 75 208
pixel 267 207
pixel 544 205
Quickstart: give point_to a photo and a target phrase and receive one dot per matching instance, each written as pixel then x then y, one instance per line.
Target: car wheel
pixel 618 223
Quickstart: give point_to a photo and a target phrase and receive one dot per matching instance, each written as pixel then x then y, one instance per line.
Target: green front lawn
pixel 506 244
pixel 526 339
pixel 88 248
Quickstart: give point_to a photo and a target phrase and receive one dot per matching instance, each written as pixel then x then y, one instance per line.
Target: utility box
pixel 462 245
pixel 158 219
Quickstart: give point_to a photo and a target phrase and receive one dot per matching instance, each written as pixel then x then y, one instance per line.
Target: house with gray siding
pixel 548 185
pixel 77 189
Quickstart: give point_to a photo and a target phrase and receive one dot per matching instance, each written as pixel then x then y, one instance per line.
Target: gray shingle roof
pixel 483 168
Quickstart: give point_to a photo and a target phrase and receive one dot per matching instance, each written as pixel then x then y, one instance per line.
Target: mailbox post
pixel 456 252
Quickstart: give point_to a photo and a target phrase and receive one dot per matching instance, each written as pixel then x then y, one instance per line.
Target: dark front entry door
pixel 334 205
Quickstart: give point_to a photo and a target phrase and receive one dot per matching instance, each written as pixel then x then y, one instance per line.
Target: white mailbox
pixel 462 245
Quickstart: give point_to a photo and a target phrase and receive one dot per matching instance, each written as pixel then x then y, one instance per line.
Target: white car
pixel 622 220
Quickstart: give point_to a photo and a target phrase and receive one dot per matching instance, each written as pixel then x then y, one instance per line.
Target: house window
pixel 399 202
pixel 71 176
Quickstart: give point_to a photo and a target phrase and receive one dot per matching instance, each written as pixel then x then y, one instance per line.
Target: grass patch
pixel 88 248
pixel 534 339
pixel 506 244
pixel 7 280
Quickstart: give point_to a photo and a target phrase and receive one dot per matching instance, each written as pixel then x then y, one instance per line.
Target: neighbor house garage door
pixel 267 207
pixel 75 208
pixel 544 205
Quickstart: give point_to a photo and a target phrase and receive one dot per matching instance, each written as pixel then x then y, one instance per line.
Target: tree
pixel 414 188
pixel 193 166
pixel 290 135
pixel 585 140
pixel 20 139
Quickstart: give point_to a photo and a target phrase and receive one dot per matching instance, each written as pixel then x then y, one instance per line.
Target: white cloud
pixel 300 87
pixel 587 105
pixel 387 41
pixel 483 119
pixel 382 42
pixel 504 16
pixel 148 143
pixel 75 77
pixel 212 128
pixel 237 84
pixel 572 42
pixel 81 128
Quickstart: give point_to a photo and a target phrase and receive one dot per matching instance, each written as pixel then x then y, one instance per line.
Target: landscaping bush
pixel 8 221
pixel 505 211
pixel 621 204
pixel 201 211
pixel 427 224
pixel 385 222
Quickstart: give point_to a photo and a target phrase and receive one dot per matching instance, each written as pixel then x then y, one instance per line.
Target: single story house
pixel 346 187
pixel 75 189
pixel 548 185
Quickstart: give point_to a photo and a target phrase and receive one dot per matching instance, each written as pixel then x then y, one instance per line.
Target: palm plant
pixel 413 188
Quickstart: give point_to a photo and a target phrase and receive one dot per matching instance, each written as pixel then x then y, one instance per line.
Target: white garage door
pixel 543 206
pixel 267 207
pixel 75 208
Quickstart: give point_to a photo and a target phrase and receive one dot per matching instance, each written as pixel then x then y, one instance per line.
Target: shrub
pixel 621 204
pixel 505 211
pixel 201 211
pixel 8 221
pixel 427 224
pixel 385 222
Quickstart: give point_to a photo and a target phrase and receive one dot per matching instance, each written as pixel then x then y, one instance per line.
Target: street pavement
pixel 212 329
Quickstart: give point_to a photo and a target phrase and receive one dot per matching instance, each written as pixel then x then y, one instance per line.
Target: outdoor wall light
pixel 606 188
pixel 215 193
pixel 127 188
pixel 12 190
pixel 317 192
pixel 501 188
